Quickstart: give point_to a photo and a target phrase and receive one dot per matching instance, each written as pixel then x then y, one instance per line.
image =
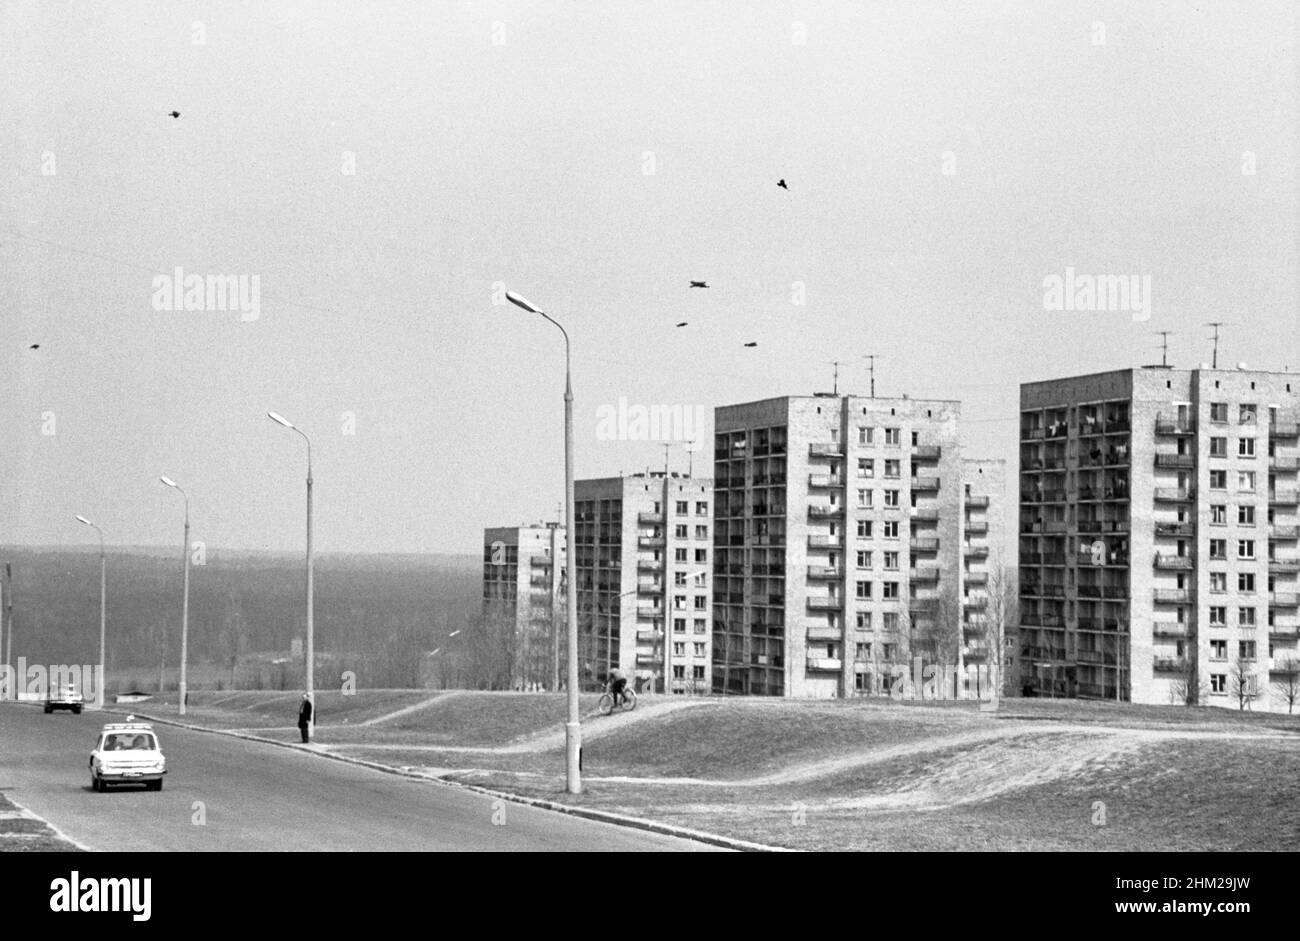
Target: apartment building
pixel 988 631
pixel 523 587
pixel 643 546
pixel 840 542
pixel 1158 534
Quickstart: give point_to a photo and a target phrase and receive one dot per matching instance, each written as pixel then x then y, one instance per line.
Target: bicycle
pixel 606 704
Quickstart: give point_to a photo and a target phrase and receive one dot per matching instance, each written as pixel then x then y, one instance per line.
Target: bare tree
pixel 1188 688
pixel 1288 687
pixel 1243 683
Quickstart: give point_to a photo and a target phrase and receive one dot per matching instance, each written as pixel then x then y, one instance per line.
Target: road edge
pixel 602 816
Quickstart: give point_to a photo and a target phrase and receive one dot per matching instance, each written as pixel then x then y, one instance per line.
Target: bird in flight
pixel 34 346
pixel 781 183
pixel 698 284
pixel 175 114
pixel 751 344
pixel 683 323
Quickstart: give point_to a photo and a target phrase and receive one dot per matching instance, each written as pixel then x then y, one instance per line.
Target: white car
pixel 66 697
pixel 127 753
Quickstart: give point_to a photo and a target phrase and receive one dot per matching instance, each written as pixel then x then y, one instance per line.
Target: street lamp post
pixel 103 612
pixel 311 647
pixel 572 728
pixel 185 596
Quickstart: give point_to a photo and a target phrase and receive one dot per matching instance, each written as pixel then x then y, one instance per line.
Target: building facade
pixel 841 542
pixel 643 545
pixel 1158 536
pixel 524 600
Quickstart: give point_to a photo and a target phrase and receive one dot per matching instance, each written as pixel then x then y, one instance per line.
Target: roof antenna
pixel 1216 324
pixel 1164 351
pixel 872 358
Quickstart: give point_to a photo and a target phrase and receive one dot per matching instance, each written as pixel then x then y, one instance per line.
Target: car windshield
pixel 130 741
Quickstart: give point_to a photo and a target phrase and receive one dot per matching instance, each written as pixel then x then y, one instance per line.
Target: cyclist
pixel 617 682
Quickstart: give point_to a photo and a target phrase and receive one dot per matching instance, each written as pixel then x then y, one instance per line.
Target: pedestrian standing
pixel 304 717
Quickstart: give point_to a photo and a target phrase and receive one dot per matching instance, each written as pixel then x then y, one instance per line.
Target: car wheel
pixel 76 710
pixel 156 785
pixel 94 782
pixel 48 710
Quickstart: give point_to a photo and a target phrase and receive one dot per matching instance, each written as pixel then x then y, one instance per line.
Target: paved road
pixel 264 797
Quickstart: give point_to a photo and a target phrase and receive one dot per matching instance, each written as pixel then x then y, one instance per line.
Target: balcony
pixel 650 518
pixel 1169 629
pixel 648 588
pixel 926 452
pixel 825 603
pixel 1284 429
pixel 1175 426
pixel 1291 531
pixel 650 542
pixel 1172 596
pixel 823 572
pixel 1030 434
pixel 977 527
pixel 649 611
pixel 824 664
pixel 1284 565
pixel 1283 599
pixel 977 502
pixel 649 660
pixel 824 632
pixel 825 512
pixel 824 542
pixel 649 565
pixel 925 483
pixel 979 601
pixel 1289 464
pixel 826 449
pixel 977 552
pixel 1172 562
pixel 825 481
pixel 923 544
pixel 1174 494
pixel 649 635
pixel 1176 529
pixel 924 575
pixel 925 513
pixel 540 562
pixel 1284 631
pixel 1186 461
pixel 977 578
pixel 1168 665
pixel 1282 497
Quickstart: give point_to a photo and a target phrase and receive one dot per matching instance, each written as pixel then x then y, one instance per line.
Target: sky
pixel 387 170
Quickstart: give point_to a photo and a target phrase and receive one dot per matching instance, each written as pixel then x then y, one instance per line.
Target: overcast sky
pixel 942 161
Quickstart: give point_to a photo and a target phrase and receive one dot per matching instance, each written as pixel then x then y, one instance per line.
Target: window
pixel 1218 548
pixel 891 561
pixel 866 467
pixel 1218 650
pixel 1246 414
pixel 864 498
pixel 701 555
pixel 1218 616
pixel 865 435
pixel 697 671
pixel 890 589
pixel 1246 581
pixel 864 558
pixel 701 602
pixel 1246 617
pixel 679 578
pixel 681 508
pixel 893 437
pixel 1245 447
pixel 679 671
pixel 679 555
pixel 701 532
pixel 700 626
pixel 889 622
pixel 1245 548
pixel 1218 581
pixel 890 651
pixel 1218 447
pixel 702 508
pixel 1218 480
pixel 679 532
pixel 1246 480
pixel 1246 650
pixel 1218 682
pixel 1219 412
pixel 679 625
pixel 699 650
pixel 1219 514
pixel 864 620
pixel 1246 515
pixel 679 649
pixel 863 652
pixel 893 468
pixel 864 589
pixel 891 498
pixel 891 529
pixel 864 529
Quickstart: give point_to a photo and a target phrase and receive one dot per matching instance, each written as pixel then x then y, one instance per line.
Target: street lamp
pixel 572 728
pixel 103 612
pixel 311 646
pixel 185 595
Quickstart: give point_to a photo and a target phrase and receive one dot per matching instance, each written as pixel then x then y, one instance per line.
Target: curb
pixel 601 816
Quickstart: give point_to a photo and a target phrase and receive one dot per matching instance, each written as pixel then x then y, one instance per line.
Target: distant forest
pixel 377 615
